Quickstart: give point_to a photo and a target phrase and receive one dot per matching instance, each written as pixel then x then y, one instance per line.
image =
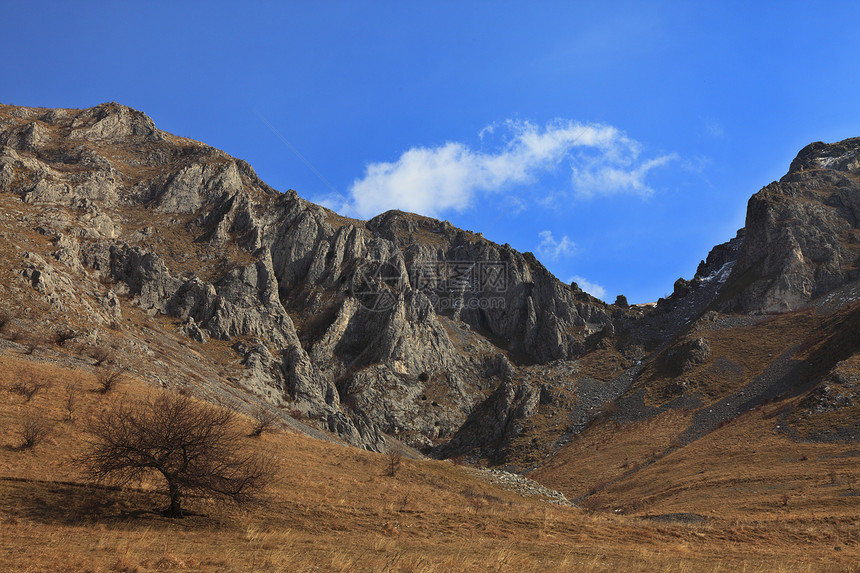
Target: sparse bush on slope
pixel 195 447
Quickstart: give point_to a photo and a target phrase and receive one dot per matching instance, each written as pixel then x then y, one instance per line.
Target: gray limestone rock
pixel 494 423
pixel 402 324
pixel 801 233
pixel 313 293
pixel 112 305
pixel 111 121
pixel 311 390
pixel 190 329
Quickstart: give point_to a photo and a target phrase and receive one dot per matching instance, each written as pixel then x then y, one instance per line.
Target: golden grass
pixel 746 471
pixel 737 355
pixel 332 508
pixel 603 364
pixel 606 452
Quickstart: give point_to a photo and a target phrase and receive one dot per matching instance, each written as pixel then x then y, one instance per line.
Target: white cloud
pixel 591 288
pixel 600 178
pixel 552 249
pixel 449 177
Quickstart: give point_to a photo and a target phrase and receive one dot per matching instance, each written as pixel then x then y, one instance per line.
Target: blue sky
pixel 618 141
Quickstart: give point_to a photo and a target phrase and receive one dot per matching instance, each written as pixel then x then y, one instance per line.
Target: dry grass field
pixel 333 508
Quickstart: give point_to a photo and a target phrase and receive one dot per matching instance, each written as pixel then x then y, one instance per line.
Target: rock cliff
pixel 397 328
pixel 802 233
pixel 348 322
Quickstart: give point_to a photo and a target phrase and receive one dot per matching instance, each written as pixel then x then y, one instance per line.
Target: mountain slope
pixel 335 508
pixel 404 329
pixel 327 313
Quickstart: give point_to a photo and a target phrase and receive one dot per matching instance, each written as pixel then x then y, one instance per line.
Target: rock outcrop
pixel 341 320
pixel 802 233
pixel 401 327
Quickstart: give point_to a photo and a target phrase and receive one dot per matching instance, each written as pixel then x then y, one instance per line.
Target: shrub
pixel 64 335
pixel 101 355
pixel 34 429
pixel 264 419
pixel 69 401
pixel 27 386
pixel 193 446
pixel 5 319
pixel 108 379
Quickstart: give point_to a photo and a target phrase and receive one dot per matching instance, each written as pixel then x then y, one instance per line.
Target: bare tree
pixel 264 419
pixel 27 386
pixel 69 401
pixel 34 429
pixel 108 378
pixel 394 459
pixel 195 447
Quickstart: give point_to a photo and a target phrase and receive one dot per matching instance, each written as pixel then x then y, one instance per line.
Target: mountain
pixel 802 233
pixel 322 310
pixel 404 331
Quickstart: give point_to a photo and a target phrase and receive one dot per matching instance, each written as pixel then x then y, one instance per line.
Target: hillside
pixel 731 405
pixel 335 508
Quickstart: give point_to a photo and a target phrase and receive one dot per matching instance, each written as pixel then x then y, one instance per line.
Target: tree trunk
pixel 175 509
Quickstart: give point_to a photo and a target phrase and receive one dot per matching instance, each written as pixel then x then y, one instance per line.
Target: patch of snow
pixel 722 274
pixel 825 162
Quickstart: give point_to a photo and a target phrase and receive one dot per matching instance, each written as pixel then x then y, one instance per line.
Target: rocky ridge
pixel 802 233
pixel 348 321
pixel 400 328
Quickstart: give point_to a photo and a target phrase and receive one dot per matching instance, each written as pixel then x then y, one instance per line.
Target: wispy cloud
pixel 591 288
pixel 553 249
pixel 713 128
pixel 603 178
pixel 450 177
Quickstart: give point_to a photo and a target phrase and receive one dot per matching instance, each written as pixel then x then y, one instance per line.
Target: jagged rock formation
pixel 401 326
pixel 683 357
pixel 347 321
pixel 801 233
pixel 496 422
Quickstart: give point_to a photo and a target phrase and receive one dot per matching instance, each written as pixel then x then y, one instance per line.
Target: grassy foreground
pixel 333 508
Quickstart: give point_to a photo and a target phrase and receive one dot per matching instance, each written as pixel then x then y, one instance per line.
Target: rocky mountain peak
pixel 842 156
pixel 801 234
pixel 340 311
pixel 104 122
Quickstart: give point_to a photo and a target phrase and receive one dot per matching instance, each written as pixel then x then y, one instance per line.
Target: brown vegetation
pixel 27 385
pixel 5 320
pixel 264 420
pixel 330 509
pixel 69 401
pixel 194 447
pixel 101 355
pixel 64 335
pixel 108 379
pixel 33 430
pixel 394 459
